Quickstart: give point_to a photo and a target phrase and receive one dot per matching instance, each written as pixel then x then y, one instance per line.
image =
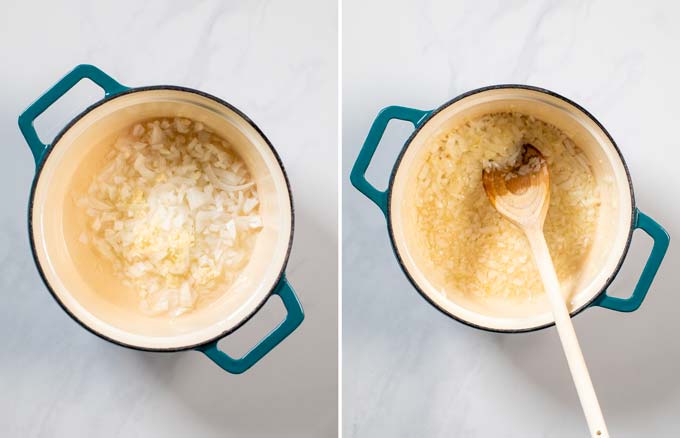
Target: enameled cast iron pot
pixel 93 296
pixel 617 220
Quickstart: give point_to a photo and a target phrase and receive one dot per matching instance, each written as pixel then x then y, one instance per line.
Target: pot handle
pixel 358 174
pixel 294 318
pixel 82 71
pixel 661 239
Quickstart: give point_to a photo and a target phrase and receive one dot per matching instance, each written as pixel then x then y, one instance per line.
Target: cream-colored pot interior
pixel 613 229
pixel 85 284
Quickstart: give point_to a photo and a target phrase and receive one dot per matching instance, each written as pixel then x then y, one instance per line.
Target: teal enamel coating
pixel 283 289
pixel 358 174
pixel 26 119
pixel 294 318
pixel 661 240
pixel 418 117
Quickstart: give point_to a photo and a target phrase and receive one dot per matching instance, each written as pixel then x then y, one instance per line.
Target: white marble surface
pixel 277 61
pixel 409 371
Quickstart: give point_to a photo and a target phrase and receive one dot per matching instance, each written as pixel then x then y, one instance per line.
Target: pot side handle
pixel 294 318
pixel 661 240
pixel 26 119
pixel 358 174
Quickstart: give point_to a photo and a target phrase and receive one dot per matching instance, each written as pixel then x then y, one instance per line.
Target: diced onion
pixel 166 210
pixel 470 247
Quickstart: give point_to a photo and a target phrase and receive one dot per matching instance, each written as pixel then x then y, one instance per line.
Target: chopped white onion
pixel 470 247
pixel 175 210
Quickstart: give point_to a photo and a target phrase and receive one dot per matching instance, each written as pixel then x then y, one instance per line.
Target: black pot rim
pixel 408 144
pixel 106 100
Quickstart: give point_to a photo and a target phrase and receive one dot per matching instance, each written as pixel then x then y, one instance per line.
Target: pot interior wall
pixel 612 231
pixel 85 283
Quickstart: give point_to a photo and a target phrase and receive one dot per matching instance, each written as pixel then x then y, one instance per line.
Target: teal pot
pixel 619 216
pixel 97 301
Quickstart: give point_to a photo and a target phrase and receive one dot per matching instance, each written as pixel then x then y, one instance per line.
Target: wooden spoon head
pixel 521 191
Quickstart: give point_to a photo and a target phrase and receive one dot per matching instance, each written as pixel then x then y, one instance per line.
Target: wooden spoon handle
pixel 565 329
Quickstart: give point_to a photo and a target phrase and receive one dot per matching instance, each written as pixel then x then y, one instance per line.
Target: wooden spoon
pixel 521 193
